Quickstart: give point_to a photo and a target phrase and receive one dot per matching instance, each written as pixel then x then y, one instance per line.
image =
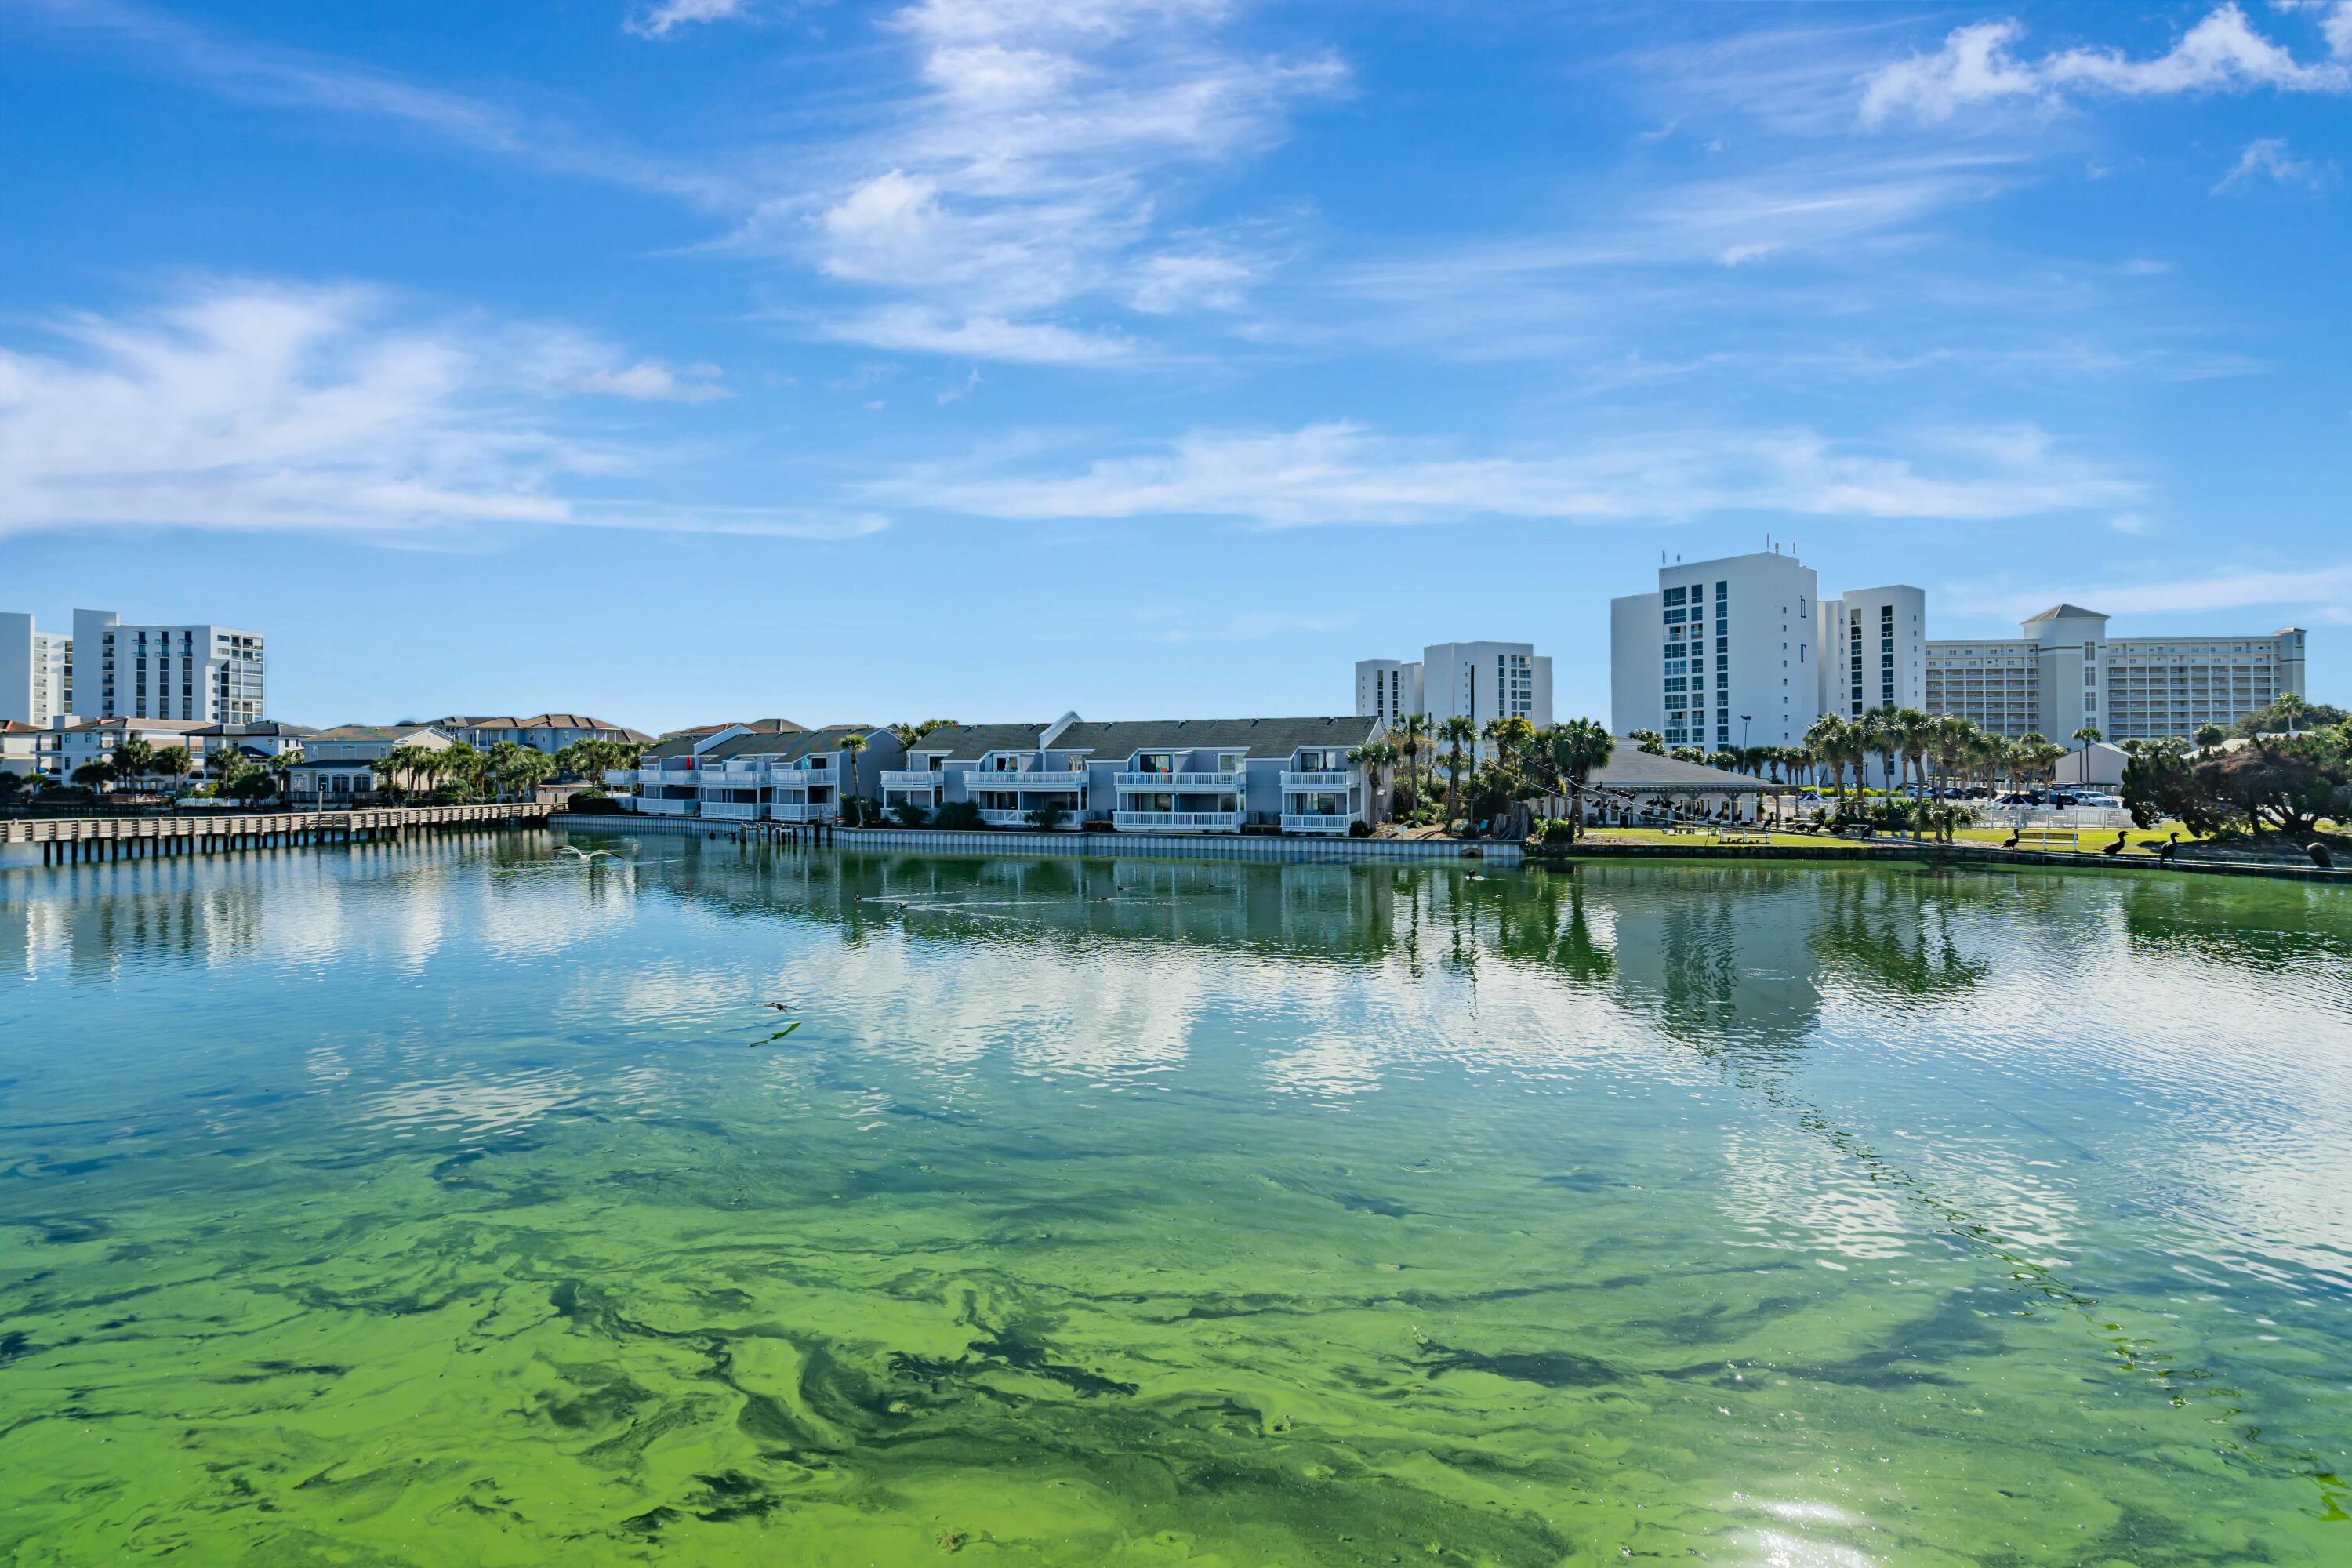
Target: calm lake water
pixel 449 1203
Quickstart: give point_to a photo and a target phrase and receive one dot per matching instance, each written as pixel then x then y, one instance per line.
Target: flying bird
pixel 585 854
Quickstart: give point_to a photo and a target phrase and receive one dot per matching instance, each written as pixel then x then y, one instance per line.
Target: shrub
pixel 1048 816
pixel 958 815
pixel 910 814
pixel 1359 829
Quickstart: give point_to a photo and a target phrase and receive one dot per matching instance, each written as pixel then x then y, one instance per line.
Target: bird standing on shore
pixel 2118 846
pixel 2320 857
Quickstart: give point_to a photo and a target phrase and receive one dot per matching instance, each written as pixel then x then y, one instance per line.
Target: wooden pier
pixel 767 832
pixel 66 840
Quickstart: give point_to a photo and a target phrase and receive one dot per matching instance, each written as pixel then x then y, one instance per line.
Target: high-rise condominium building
pixel 210 674
pixel 1726 653
pixel 1873 650
pixel 35 670
pixel 2065 673
pixel 1480 681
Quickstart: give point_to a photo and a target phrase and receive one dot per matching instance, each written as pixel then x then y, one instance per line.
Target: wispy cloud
pixel 661 19
pixel 2265 158
pixel 1029 176
pixel 248 406
pixel 2223 53
pixel 1342 474
pixel 2326 585
pixel 296 79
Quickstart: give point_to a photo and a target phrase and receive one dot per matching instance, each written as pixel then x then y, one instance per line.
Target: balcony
pixel 1168 784
pixel 1035 778
pixel 804 779
pixel 1316 782
pixel 1177 821
pixel 657 805
pixel 620 778
pixel 1005 818
pixel 784 811
pixel 1314 822
pixel 655 773
pixel 734 810
pixel 912 778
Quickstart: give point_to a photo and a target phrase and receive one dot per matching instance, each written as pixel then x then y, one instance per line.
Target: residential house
pixel 1183 775
pixel 547 732
pixel 259 740
pixel 663 782
pixel 338 766
pixel 67 746
pixel 20 746
pixel 792 776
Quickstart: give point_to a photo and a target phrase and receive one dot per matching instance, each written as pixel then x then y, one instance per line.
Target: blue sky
pixel 691 359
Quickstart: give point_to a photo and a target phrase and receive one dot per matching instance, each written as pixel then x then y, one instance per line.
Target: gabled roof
pixel 2067 612
pixel 393 733
pixel 1634 769
pixel 18 727
pixel 681 742
pixel 970 743
pixel 128 726
pixel 1253 737
pixel 790 745
pixel 260 726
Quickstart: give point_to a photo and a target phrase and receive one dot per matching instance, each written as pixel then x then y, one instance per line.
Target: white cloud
pixel 652 381
pixel 1030 176
pixel 291 79
pixel 2238 590
pixel 659 20
pixel 922 328
pixel 2265 158
pixel 256 406
pixel 2223 53
pixel 1340 473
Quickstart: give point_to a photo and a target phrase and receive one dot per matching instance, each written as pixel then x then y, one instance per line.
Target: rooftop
pixel 1252 737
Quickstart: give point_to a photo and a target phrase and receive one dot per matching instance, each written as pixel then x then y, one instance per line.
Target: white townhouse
pixel 66 746
pixel 1173 775
pixel 664 782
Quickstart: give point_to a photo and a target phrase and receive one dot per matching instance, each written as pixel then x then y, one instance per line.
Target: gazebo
pixel 1634 785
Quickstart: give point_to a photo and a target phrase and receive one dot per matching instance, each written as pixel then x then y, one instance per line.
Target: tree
pixel 2207 737
pixel 2291 713
pixel 1916 729
pixel 1832 738
pixel 514 770
pixel 1414 730
pixel 94 775
pixel 1373 757
pixel 283 765
pixel 1649 742
pixel 847 787
pixel 173 763
pixel 1457 732
pixel 2086 737
pixel 1512 738
pixel 132 757
pixel 10 784
pixel 1048 816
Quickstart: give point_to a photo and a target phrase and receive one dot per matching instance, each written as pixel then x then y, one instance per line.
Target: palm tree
pixel 94 775
pixel 1573 751
pixel 1918 729
pixel 2086 737
pixel 132 757
pixel 1414 729
pixel 1830 736
pixel 1457 732
pixel 2292 708
pixel 173 763
pixel 843 791
pixel 1511 737
pixel 1649 742
pixel 1372 757
pixel 284 763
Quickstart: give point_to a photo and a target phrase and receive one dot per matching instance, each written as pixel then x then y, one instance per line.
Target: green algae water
pixel 461 1202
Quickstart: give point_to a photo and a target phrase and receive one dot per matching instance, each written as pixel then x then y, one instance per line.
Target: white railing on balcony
pixel 912 778
pixel 1005 818
pixel 1160 783
pixel 1038 778
pixel 655 805
pixel 1314 822
pixel 620 778
pixel 655 774
pixel 734 810
pixel 1317 782
pixel 802 779
pixel 785 811
pixel 1176 821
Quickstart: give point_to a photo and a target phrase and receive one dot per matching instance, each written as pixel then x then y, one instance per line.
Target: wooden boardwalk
pixel 65 840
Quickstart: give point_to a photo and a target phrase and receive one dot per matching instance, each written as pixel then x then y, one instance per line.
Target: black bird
pixel 779 1007
pixel 2168 848
pixel 2118 846
pixel 2010 842
pixel 2320 856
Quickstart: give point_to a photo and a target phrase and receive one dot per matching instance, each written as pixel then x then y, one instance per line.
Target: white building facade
pixel 200 674
pixel 1873 650
pixel 1723 653
pixel 35 673
pixel 2065 674
pixel 1480 681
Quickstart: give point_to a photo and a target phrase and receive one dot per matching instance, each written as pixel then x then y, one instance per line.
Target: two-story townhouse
pixel 1218 775
pixel 258 741
pixel 20 746
pixel 939 769
pixel 338 766
pixel 665 783
pixel 797 776
pixel 66 747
